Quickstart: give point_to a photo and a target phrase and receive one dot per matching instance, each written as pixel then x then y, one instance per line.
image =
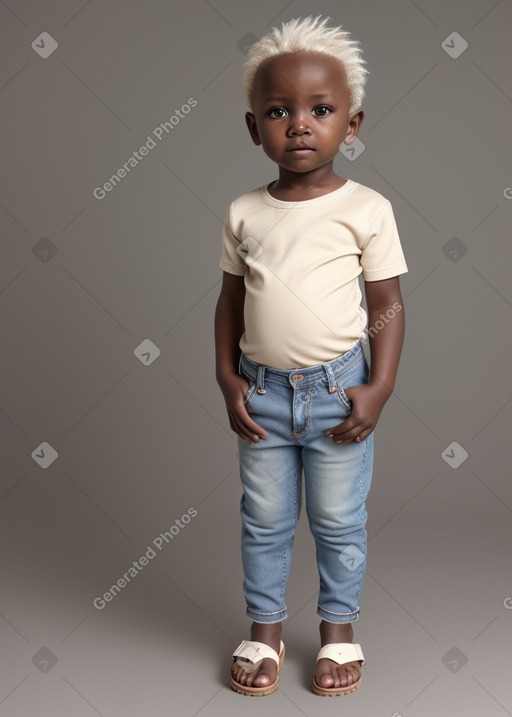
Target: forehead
pixel 299 73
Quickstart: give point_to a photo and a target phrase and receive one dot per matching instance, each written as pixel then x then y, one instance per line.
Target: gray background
pixel 140 441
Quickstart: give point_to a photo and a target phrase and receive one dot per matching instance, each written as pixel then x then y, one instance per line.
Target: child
pixel 289 328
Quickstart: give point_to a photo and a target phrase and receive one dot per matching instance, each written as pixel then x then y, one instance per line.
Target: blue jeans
pixel 296 407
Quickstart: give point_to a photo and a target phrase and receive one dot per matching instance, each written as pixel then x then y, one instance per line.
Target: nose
pixel 298 126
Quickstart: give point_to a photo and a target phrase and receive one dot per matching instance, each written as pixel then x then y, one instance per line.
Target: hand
pixel 234 389
pixel 367 403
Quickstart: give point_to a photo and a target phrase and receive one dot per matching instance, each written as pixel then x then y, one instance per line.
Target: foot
pixel 328 673
pixel 265 673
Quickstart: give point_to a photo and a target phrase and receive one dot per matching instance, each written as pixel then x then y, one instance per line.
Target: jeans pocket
pixel 357 375
pixel 344 399
pixel 250 392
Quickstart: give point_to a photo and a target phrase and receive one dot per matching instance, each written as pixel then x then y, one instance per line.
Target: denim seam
pixel 283 579
pixel 363 464
pixel 299 434
pixel 352 612
pixel 344 401
pixel 256 612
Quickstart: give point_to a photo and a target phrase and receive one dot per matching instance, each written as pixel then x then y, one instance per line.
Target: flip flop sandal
pixel 254 652
pixel 341 653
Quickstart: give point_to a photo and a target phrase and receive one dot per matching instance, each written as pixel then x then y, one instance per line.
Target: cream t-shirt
pixel 301 262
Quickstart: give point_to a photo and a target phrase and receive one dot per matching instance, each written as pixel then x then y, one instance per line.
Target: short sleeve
pixel 230 260
pixel 382 256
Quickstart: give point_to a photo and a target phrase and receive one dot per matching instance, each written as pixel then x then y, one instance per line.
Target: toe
pixel 262 680
pixel 356 672
pixel 241 677
pixel 239 674
pixel 349 675
pixel 324 676
pixel 325 680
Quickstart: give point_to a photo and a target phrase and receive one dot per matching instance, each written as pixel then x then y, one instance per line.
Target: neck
pixel 298 187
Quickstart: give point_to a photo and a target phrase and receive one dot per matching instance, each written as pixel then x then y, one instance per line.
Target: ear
pixel 253 130
pixel 354 125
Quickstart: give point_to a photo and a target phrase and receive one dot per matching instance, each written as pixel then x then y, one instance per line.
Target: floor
pixel 435 623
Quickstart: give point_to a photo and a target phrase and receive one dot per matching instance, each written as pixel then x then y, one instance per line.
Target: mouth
pixel 300 150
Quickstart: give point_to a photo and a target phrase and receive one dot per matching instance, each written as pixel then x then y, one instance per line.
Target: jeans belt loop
pixel 330 377
pixel 261 379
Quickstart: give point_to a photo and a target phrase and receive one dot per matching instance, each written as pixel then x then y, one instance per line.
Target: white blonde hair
pixel 310 35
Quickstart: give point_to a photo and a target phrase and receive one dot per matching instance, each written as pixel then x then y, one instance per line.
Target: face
pixel 301 106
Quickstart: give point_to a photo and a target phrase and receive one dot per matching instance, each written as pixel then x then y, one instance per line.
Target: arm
pixel 229 327
pixel 386 326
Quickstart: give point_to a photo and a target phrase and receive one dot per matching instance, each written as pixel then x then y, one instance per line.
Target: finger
pixel 238 426
pixel 349 436
pixel 248 429
pixel 254 428
pixel 261 432
pixel 247 434
pixel 341 428
pixel 364 435
pixel 250 424
pixel 337 429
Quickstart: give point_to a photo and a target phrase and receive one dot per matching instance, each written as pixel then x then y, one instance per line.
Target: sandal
pixel 340 652
pixel 254 652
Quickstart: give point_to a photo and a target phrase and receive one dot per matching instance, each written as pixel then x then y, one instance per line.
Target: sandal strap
pixel 256 651
pixel 342 652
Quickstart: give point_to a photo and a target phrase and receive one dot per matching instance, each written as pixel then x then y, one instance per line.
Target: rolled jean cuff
pixel 338 617
pixel 266 616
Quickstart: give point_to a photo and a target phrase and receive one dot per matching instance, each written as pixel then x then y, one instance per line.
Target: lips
pixel 300 148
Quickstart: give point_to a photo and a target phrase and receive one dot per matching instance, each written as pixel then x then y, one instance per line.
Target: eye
pixel 277 112
pixel 322 111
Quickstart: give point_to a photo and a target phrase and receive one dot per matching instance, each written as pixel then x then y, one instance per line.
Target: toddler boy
pixel 289 328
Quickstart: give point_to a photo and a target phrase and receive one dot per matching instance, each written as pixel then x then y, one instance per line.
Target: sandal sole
pixel 334 691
